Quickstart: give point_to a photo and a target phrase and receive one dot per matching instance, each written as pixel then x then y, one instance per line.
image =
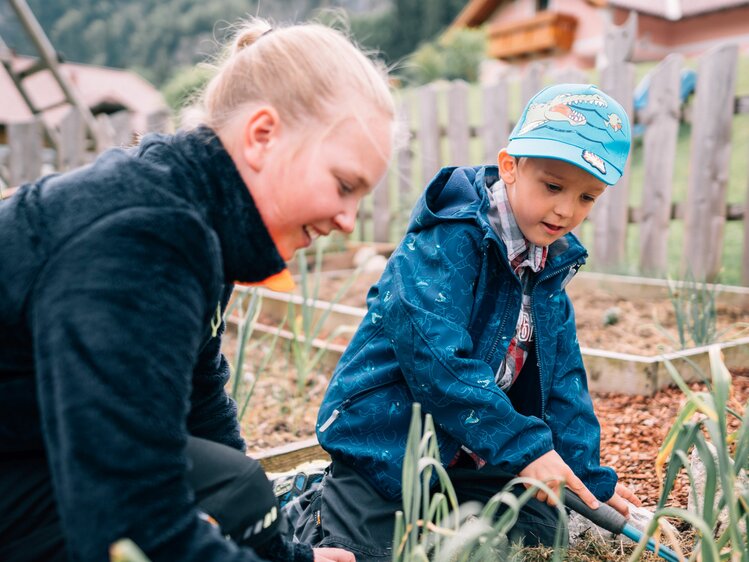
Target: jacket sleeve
pixel 570 415
pixel 116 318
pixel 213 414
pixel 426 320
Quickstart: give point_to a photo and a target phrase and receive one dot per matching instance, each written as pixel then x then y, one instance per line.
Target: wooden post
pixel 495 119
pixel 71 149
pixel 458 128
pixel 661 120
pixel 381 210
pixel 709 162
pixel 610 212
pixel 25 158
pixel 429 133
pixel 105 132
pixel 159 121
pixel 122 128
pixel 404 166
pixel 745 260
pixel 569 75
pixel 532 82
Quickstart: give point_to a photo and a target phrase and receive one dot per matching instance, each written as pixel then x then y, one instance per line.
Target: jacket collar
pixel 249 254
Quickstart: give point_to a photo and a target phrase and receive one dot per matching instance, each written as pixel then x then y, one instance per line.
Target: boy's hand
pixel 326 554
pixel 553 471
pixel 621 496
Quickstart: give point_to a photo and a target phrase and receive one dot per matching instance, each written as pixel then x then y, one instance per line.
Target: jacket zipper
pixel 493 349
pixel 568 266
pixel 346 403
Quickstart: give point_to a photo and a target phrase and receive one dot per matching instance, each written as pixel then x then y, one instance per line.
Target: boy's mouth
pixel 552 228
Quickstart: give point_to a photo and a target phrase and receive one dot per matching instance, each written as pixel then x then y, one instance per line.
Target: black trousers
pixel 228 486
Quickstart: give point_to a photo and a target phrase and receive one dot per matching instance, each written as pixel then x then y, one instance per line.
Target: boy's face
pixel 549 197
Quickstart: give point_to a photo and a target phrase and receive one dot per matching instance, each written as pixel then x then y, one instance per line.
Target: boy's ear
pixel 259 133
pixel 508 166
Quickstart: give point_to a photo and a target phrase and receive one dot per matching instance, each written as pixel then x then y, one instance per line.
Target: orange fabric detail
pixel 282 282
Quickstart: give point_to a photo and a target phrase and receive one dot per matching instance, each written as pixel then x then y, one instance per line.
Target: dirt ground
pixel 283 410
pixel 641 326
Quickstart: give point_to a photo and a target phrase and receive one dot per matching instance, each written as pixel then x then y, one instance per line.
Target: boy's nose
pixel 564 208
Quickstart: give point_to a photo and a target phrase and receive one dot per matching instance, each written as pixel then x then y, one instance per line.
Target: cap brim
pixel 546 148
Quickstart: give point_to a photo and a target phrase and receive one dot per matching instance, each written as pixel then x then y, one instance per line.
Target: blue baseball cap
pixel 577 123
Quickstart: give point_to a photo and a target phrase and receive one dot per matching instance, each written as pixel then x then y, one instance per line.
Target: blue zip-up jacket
pixel 439 323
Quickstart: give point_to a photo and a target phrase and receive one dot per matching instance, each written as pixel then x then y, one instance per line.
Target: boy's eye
pixel 553 187
pixel 588 198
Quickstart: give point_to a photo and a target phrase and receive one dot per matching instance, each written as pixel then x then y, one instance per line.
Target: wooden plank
pixel 531 82
pixel 569 75
pixel 25 157
pixel 458 133
pixel 381 210
pixel 288 457
pixel 429 138
pixel 407 192
pixel 745 260
pixel 495 119
pixel 159 121
pixel 71 151
pixel 610 212
pixel 661 120
pixel 122 127
pixel 105 132
pixel 709 162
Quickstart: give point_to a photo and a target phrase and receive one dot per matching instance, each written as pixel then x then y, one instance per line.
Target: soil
pixel 641 326
pixel 283 409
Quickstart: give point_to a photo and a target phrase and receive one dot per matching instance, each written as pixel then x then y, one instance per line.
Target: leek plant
pixel 432 526
pixel 702 425
pixel 304 322
pixel 243 388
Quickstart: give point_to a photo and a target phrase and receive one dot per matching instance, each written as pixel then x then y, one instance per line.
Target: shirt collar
pixel 520 252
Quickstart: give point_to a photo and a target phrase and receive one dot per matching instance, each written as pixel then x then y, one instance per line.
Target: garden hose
pixel 608 518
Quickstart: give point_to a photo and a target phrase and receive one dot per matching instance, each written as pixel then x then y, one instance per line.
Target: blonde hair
pixel 303 71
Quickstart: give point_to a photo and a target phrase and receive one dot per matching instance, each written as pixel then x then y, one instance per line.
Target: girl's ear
pixel 508 166
pixel 259 134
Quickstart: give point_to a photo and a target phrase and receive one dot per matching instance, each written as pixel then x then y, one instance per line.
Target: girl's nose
pixel 345 221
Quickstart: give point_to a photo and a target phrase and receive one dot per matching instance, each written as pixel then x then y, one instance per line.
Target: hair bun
pixel 249 34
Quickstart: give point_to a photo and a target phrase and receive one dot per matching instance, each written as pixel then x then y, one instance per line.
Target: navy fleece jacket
pixel 110 276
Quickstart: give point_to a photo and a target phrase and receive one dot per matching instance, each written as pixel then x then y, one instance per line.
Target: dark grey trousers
pixel 229 486
pixel 347 512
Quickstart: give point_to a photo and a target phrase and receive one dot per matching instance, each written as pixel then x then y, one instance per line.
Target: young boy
pixel 471 319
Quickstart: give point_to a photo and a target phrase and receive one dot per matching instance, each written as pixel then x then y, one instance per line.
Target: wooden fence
pixel 440 133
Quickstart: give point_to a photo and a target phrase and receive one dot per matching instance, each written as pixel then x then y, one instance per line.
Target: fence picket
pixel 72 146
pixel 25 158
pixel 709 162
pixel 495 119
pixel 661 120
pixel 458 129
pixel 610 213
pixel 404 165
pixel 531 82
pixel 381 210
pixel 429 134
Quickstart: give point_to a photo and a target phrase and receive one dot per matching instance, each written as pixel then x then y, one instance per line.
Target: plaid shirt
pixel 524 257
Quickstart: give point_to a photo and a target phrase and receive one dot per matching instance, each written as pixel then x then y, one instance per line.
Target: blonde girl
pixel 113 417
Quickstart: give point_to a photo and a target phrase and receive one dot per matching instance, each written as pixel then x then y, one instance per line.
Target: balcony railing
pixel 545 33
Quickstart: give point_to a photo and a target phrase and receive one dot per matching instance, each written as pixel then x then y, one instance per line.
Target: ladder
pixel 47 61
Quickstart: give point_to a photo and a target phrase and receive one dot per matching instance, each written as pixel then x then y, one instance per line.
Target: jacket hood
pixel 460 194
pixel 454 194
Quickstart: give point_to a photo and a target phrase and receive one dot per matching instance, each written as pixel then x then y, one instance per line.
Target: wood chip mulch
pixel 634 427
